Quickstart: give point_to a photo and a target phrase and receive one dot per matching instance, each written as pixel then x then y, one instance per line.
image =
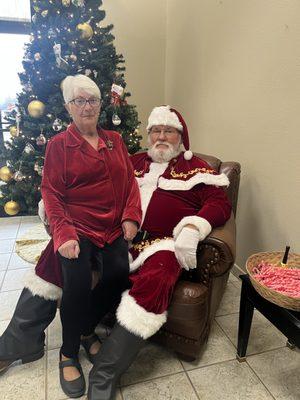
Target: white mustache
pixel 164 143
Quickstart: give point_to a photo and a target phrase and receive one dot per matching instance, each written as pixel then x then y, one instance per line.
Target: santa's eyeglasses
pixel 168 132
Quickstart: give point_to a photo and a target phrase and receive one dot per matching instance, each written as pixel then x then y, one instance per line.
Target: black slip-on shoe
pixel 75 388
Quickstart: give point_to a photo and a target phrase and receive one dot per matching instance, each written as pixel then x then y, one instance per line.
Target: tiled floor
pixel 270 372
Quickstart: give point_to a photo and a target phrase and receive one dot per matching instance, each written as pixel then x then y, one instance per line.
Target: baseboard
pixel 237 270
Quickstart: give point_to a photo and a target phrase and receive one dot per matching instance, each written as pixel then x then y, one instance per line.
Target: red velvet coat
pixel 87 192
pixel 186 188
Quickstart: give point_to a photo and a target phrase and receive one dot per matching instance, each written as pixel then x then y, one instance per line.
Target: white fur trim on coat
pixel 148 184
pixel 40 287
pixel 201 224
pixel 164 244
pixel 208 179
pixel 136 319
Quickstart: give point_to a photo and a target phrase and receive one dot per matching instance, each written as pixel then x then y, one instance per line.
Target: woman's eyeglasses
pixel 80 102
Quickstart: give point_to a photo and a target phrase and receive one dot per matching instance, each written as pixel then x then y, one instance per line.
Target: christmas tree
pixel 68 37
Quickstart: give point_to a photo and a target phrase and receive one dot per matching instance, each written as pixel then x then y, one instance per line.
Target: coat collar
pixel 75 140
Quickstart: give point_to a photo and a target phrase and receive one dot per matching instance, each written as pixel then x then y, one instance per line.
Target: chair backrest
pixel 230 168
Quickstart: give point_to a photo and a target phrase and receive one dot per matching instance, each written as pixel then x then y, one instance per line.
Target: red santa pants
pixel 153 283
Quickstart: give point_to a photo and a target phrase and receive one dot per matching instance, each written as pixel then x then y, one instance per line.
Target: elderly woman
pixel 92 203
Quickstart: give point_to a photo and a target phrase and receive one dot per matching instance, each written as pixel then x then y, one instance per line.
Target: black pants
pixel 82 308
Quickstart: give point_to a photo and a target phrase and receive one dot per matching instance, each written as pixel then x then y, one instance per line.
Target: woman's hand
pixel 69 249
pixel 129 229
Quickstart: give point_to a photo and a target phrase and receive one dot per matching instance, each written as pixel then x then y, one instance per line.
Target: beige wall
pixel 233 69
pixel 140 31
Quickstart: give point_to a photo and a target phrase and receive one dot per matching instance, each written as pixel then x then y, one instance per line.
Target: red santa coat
pixel 187 192
pixel 173 195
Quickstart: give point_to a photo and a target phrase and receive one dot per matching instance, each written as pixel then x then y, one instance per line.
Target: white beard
pixel 163 155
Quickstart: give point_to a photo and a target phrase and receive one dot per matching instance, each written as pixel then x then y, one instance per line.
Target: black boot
pixel 116 354
pixel 23 339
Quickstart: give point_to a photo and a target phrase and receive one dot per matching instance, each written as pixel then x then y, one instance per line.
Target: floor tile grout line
pixel 11 290
pixel 19 268
pixel 265 351
pixel 17 230
pixel 46 370
pixel 250 355
pixel 152 379
pixel 231 341
pixel 261 381
pixel 189 379
pixel 209 365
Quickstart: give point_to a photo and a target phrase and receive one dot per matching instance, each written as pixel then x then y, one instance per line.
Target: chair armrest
pixel 216 254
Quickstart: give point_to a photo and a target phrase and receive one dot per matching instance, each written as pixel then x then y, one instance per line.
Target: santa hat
pixel 165 115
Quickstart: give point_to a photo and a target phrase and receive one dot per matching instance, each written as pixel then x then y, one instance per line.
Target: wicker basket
pixel 275 297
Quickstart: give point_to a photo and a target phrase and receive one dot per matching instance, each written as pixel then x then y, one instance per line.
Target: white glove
pixel 186 247
pixel 42 212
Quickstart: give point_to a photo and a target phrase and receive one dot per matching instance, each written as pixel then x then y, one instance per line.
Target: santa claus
pixel 182 200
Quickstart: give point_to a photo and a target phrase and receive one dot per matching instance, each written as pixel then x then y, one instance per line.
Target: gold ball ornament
pixel 13 130
pixel 44 13
pixel 12 208
pixel 36 108
pixel 5 174
pixel 66 3
pixel 86 30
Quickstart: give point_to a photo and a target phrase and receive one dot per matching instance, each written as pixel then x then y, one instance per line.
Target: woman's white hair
pixel 71 85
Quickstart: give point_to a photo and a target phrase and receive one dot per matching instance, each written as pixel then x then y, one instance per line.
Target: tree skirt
pixel 30 246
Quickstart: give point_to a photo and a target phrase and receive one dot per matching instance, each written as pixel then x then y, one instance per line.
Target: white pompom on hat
pixel 165 115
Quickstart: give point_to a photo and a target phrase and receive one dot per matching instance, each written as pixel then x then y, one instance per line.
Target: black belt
pixel 140 236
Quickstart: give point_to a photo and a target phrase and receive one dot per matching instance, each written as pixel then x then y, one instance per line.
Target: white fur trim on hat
pixel 188 155
pixel 164 116
pixel 203 226
pixel 40 287
pixel 136 319
pixel 164 244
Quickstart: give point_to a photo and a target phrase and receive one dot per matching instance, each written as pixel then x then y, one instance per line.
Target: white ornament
pixel 116 120
pixel 58 57
pixel 18 176
pixel 57 124
pixel 78 3
pixel 28 149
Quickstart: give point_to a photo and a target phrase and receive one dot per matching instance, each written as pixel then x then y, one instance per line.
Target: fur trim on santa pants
pixel 143 309
pixel 136 319
pixel 40 287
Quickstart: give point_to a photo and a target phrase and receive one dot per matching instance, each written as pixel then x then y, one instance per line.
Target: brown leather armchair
pixel 198 293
